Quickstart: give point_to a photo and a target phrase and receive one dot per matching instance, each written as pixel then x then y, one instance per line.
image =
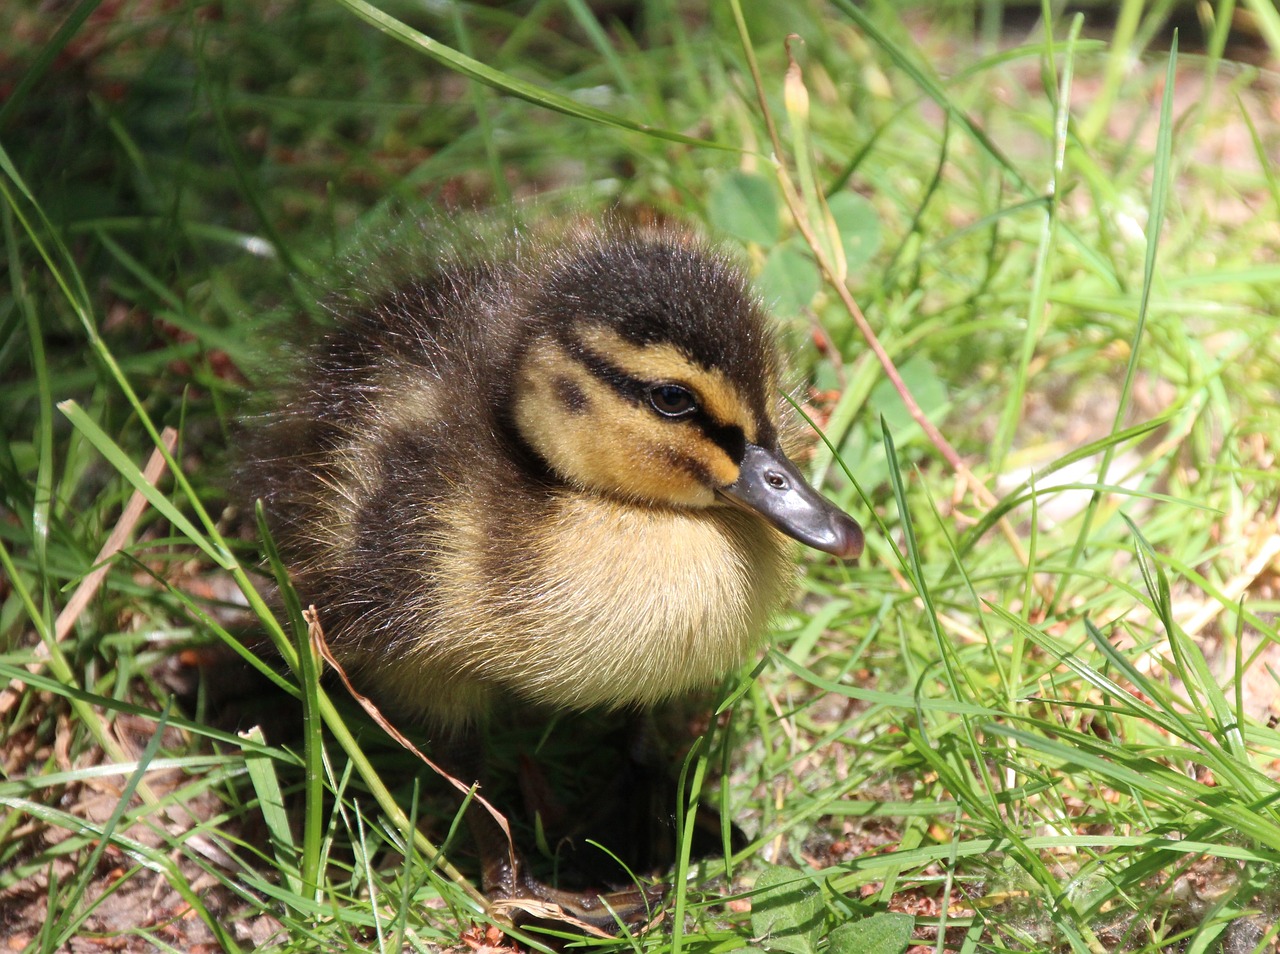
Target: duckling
pixel 552 477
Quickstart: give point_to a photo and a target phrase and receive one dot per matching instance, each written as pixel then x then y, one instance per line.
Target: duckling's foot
pixel 526 900
pixel 515 894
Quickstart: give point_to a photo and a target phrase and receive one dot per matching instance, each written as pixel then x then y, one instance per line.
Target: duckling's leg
pixel 629 802
pixel 630 811
pixel 652 790
pixel 517 894
pixel 523 898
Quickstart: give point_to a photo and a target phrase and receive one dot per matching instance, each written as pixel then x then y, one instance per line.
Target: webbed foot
pixel 522 898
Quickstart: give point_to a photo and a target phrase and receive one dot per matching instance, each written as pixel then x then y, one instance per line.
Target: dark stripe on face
pixel 628 387
pixel 571 396
pixel 690 465
pixel 728 437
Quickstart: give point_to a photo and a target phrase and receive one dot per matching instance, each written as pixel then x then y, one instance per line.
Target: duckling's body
pixel 446 596
pixel 583 602
pixel 481 502
pixel 552 477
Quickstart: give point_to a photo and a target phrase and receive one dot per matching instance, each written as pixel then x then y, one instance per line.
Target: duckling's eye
pixel 672 400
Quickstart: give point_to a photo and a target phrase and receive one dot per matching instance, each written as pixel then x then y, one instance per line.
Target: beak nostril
pixel 769 486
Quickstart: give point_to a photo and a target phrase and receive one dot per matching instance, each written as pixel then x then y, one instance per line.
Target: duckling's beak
pixel 770 485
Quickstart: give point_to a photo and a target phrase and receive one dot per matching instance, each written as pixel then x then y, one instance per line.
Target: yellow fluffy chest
pixel 605 604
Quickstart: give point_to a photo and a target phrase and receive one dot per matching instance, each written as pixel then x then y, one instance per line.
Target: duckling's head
pixel 650 374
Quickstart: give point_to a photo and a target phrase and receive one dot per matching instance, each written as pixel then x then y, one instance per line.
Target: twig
pixel 832 273
pixel 315 633
pixel 1235 587
pixel 90 585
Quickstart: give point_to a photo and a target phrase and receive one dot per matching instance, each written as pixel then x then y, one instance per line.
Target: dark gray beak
pixel 770 485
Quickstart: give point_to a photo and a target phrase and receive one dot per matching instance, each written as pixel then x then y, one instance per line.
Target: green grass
pixel 1038 716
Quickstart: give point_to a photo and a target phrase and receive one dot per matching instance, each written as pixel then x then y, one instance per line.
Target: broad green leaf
pixel 786 911
pixel 859 228
pixel 745 206
pixel 926 387
pixel 789 279
pixel 884 933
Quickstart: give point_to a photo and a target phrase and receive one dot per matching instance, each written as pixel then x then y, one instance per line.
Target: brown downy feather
pixel 470 481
